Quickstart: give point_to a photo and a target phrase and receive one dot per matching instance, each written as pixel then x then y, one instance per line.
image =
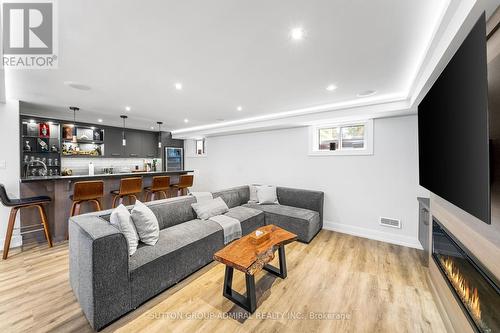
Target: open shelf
pixel 97 142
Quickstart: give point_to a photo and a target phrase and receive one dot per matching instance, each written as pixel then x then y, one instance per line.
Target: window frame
pixel 368 139
pixel 204 153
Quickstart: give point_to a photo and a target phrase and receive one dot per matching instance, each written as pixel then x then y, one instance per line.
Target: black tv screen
pixel 453 129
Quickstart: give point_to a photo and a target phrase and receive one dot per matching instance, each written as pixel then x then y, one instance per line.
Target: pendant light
pixel 159 133
pixel 74 109
pixel 124 140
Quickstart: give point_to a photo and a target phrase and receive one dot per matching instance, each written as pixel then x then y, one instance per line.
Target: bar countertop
pixel 101 176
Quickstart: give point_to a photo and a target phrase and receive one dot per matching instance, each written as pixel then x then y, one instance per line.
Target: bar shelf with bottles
pixel 82 141
pixel 40 148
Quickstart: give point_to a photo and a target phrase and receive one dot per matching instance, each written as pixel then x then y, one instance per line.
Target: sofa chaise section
pixel 304 223
pixel 299 211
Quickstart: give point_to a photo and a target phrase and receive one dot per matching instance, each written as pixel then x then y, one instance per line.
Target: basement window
pixel 200 147
pixel 346 138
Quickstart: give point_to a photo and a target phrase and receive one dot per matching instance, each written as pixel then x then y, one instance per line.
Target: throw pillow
pixel 202 196
pixel 206 209
pixel 267 194
pixel 253 194
pixel 120 217
pixel 146 223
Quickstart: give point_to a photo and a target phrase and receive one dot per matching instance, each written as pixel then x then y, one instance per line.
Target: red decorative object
pixel 44 130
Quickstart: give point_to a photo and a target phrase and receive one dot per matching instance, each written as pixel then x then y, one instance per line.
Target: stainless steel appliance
pixel 174 158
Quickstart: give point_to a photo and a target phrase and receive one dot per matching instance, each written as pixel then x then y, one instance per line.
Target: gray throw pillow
pixel 206 209
pixel 146 223
pixel 120 217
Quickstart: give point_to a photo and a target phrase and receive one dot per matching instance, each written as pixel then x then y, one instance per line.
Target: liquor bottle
pixel 27 146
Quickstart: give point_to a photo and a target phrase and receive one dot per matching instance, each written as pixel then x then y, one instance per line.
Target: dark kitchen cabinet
pixel 113 142
pixel 150 145
pixel 134 143
pixel 140 144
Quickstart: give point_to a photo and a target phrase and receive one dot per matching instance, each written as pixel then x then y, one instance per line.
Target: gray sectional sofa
pixel 108 283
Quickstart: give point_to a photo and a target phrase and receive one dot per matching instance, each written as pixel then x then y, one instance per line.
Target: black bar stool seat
pixel 8 202
pixel 17 204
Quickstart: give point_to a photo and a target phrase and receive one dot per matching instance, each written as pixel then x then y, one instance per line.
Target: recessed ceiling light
pixel 186 120
pixel 152 127
pixel 77 85
pixel 128 108
pixel 366 93
pixel 239 108
pixel 331 87
pixel 99 120
pixel 178 86
pixel 297 33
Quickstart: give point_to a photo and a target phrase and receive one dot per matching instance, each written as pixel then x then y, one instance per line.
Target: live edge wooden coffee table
pixel 245 256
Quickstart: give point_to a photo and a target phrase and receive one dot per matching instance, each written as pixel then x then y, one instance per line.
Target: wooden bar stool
pixel 16 205
pixel 160 185
pixel 129 187
pixel 185 182
pixel 88 191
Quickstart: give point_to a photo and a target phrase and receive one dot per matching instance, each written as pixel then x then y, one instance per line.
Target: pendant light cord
pixel 159 133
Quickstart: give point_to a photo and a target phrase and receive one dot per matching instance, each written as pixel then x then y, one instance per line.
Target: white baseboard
pixel 373 234
pixel 16 241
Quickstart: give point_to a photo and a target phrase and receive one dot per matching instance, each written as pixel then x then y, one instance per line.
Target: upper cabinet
pixel 140 144
pixel 149 145
pixel 134 143
pixel 113 142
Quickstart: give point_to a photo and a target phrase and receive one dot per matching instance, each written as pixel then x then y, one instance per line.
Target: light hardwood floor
pixel 377 287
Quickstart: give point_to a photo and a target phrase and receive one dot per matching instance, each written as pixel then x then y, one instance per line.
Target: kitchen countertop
pixel 98 176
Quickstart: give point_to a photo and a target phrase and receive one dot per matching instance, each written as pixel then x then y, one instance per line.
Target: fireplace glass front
pixel 474 288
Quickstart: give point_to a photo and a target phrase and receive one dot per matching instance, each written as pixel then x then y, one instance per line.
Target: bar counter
pixel 59 189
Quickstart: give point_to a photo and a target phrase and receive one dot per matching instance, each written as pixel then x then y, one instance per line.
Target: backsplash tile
pixel 80 165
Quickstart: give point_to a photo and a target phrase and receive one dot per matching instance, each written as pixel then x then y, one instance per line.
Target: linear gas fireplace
pixel 475 289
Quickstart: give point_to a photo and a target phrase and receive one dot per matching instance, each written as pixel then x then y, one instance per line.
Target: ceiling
pixel 226 53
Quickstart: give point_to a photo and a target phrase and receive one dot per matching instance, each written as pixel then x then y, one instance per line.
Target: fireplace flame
pixel 468 295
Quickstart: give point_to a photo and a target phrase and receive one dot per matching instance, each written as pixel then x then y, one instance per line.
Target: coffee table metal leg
pixel 281 272
pixel 251 297
pixel 228 281
pixel 249 302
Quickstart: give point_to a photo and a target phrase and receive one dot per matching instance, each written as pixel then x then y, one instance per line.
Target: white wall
pixel 9 154
pixel 358 189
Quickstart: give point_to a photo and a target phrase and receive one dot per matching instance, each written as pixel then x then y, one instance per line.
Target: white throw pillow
pixel 267 194
pixel 120 217
pixel 146 223
pixel 253 194
pixel 202 196
pixel 206 209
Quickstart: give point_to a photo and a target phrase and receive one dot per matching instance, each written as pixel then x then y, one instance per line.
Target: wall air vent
pixel 387 222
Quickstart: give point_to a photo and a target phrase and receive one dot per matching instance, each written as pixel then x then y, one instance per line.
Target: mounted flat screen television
pixel 453 129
